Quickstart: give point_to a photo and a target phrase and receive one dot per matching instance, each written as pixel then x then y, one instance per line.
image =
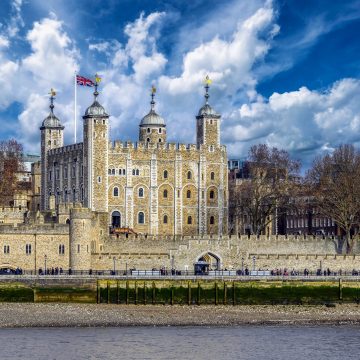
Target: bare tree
pixel 334 185
pixel 11 163
pixel 269 188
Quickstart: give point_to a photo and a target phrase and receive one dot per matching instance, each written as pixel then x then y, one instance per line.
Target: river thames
pixel 253 342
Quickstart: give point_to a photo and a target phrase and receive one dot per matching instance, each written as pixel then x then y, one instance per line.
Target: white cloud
pixel 99 47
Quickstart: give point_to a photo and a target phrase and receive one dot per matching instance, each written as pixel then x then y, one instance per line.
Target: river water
pixel 253 342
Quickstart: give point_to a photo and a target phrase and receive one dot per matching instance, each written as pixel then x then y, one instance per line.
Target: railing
pixel 174 273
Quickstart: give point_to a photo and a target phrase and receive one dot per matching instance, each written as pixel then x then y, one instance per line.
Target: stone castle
pixel 170 199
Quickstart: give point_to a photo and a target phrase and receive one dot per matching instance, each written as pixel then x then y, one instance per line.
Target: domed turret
pixel 95 108
pixel 152 125
pixel 51 121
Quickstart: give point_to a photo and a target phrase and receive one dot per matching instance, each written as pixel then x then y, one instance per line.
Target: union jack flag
pixel 83 81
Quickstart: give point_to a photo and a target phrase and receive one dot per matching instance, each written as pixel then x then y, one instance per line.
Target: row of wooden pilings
pixel 144 301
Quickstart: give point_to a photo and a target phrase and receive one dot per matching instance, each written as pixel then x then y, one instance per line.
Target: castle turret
pixel 80 237
pixel 152 127
pixel 96 134
pixel 52 137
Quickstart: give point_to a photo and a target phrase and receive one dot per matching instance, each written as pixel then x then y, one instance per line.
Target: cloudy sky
pixel 284 72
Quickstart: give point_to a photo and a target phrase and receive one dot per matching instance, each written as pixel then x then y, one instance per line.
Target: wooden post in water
pixel 234 301
pixel 118 292
pixel 198 294
pixel 108 292
pixel 136 293
pixel 225 292
pixel 153 292
pixel 172 295
pixel 189 292
pixel 127 292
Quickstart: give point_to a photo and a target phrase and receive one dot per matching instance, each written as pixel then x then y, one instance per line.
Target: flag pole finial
pixel 52 97
pixel 207 87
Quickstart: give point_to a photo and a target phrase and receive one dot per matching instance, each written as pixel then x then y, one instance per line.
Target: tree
pixel 11 163
pixel 334 186
pixel 269 187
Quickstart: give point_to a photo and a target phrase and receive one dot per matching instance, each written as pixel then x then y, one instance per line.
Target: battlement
pixel 64 208
pixel 118 146
pixel 36 168
pixel 78 212
pixel 9 209
pixel 66 149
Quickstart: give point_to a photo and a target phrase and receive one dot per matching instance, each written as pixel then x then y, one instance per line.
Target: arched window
pixel 116 191
pixel 68 221
pixel 212 176
pixel 211 194
pixel 82 194
pixel 109 171
pixel 189 175
pixel 189 220
pixel 137 172
pixel 159 130
pixel 49 143
pixel 159 140
pixel 74 172
pixel 124 171
pixel 120 171
pixel 133 172
pixel 165 193
pixel 66 195
pixel 141 192
pixel 165 174
pixel 148 139
pixel 74 195
pixel 188 194
pixel 141 218
pixel 148 130
pixel 65 173
pixel 211 148
pixel 212 220
pixel 165 219
pixel 113 171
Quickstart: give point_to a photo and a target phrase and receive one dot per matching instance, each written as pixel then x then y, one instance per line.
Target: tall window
pixel 148 139
pixel 165 193
pixel 124 171
pixel 141 192
pixel 188 194
pixel 65 196
pixel 133 172
pixel 189 175
pixel 82 170
pixel 73 173
pixel 6 249
pixel 28 248
pixel 109 171
pixel 165 219
pixel 137 172
pixel 212 220
pixel 113 171
pixel 148 130
pixel 212 176
pixel 65 173
pixel 159 140
pixel 141 218
pixel 189 220
pixel 211 148
pixel 159 130
pixel 211 194
pixel 82 194
pixel 74 195
pixel 116 191
pixel 165 174
pixel 57 174
pixel 50 175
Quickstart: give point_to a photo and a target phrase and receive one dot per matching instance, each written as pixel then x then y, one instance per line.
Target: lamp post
pixel 173 256
pixel 242 266
pixel 45 264
pixel 126 270
pixel 114 264
pixel 254 262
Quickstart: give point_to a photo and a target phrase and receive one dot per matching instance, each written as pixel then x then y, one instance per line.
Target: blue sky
pixel 285 73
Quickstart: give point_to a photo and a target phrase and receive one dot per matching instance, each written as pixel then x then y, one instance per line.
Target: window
pixel 202 194
pixel 116 191
pixel 202 176
pixel 212 176
pixel 148 130
pixel 61 249
pixel 188 194
pixel 101 247
pixel 57 174
pixel 124 172
pixel 189 220
pixel 189 175
pixel 50 175
pixel 306 223
pixel 103 134
pixel 94 121
pixel 211 148
pixel 212 220
pixel 165 219
pixel 65 173
pixel 133 172
pixel 165 174
pixel 160 131
pixel 109 171
pixel 99 179
pixel 82 170
pixel 6 249
pixel 292 223
pixel 178 193
pixel 54 142
pixel 103 122
pixel 141 192
pixel 137 172
pixel 74 195
pixel 65 196
pixel 82 194
pixel 165 193
pixel 211 194
pixel 287 223
pixel 148 139
pixel 73 171
pixel 38 190
pixel 28 248
pixel 49 143
pixel 141 218
pixel 211 122
pixel 159 140
pixel 78 248
pixel 113 171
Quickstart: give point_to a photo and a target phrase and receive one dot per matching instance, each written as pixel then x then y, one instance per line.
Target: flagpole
pixel 75 111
